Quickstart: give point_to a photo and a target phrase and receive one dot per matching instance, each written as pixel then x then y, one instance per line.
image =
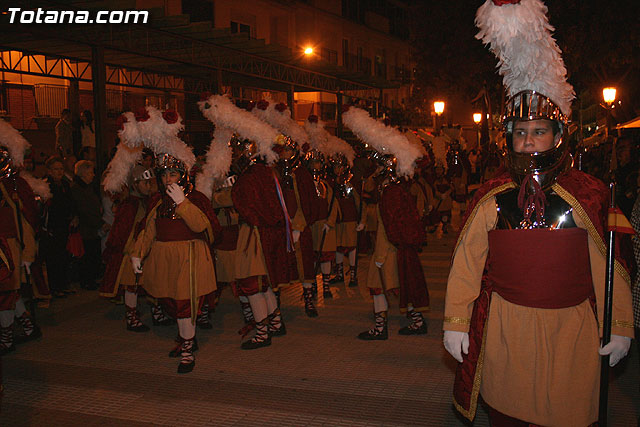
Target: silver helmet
pixel 544 166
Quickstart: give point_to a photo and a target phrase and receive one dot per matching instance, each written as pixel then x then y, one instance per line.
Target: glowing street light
pixel 477 118
pixel 609 95
pixel 438 107
pixel 308 50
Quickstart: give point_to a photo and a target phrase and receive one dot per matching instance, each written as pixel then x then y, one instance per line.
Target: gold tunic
pixel 178 270
pixel 225 260
pixel 385 277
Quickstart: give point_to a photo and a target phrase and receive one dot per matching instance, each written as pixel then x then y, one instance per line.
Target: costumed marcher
pixel 299 192
pixel 215 181
pixel 395 266
pixel 458 167
pixel 348 222
pixel 119 278
pixel 325 146
pixel 40 290
pixel 635 222
pixel 174 244
pixel 442 193
pixel 265 256
pixel 527 281
pixel 18 222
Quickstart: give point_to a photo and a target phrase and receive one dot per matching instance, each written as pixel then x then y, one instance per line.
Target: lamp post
pixel 438 107
pixel 609 96
pixel 477 118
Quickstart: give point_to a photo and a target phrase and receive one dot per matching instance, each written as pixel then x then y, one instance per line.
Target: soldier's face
pixel 170 177
pixel 144 187
pixel 533 136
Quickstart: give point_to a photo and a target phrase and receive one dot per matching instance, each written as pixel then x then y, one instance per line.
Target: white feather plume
pixel 162 137
pixel 327 144
pixel 416 141
pixel 222 112
pixel 14 141
pixel 218 161
pixel 283 122
pixel 528 56
pixel 39 186
pixel 130 133
pixel 384 139
pixel 119 168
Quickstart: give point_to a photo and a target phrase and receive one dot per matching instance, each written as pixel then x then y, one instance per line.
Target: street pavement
pixel 88 370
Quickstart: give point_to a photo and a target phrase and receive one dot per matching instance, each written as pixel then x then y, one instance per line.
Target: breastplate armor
pixel 558 213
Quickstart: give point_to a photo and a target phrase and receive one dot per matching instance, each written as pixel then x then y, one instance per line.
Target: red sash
pixel 540 268
pixel 172 230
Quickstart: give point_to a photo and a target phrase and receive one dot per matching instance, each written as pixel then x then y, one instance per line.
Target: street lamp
pixel 308 50
pixel 609 96
pixel 438 107
pixel 477 118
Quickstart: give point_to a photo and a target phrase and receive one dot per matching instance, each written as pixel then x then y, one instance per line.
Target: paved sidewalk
pixel 88 370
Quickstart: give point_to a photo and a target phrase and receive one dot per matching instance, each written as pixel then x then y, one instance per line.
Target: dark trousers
pixel 89 264
pixel 57 260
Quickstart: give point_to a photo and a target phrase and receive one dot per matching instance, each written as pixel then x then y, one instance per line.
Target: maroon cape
pixel 593 197
pixel 255 197
pixel 404 230
pixel 312 210
pixel 123 226
pixel 18 188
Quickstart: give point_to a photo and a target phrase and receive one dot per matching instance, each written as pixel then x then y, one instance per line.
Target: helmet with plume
pixel 530 62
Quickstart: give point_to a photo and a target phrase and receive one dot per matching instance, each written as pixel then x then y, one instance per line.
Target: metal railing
pixel 50 99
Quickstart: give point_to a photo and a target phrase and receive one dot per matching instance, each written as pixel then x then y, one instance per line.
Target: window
pixel 329 55
pixel 237 27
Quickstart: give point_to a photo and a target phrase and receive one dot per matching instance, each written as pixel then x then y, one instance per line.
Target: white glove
pixel 456 343
pixel 27 266
pixel 360 227
pixel 176 193
pixel 617 349
pixel 296 236
pixel 379 264
pixel 326 228
pixel 137 265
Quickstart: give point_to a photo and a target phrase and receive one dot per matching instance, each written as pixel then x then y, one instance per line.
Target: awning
pixel 635 123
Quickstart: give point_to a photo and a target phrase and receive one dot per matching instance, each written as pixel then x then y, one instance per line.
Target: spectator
pixel 69 165
pixel 64 134
pixel 89 208
pixel 86 128
pixel 60 217
pixel 88 153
